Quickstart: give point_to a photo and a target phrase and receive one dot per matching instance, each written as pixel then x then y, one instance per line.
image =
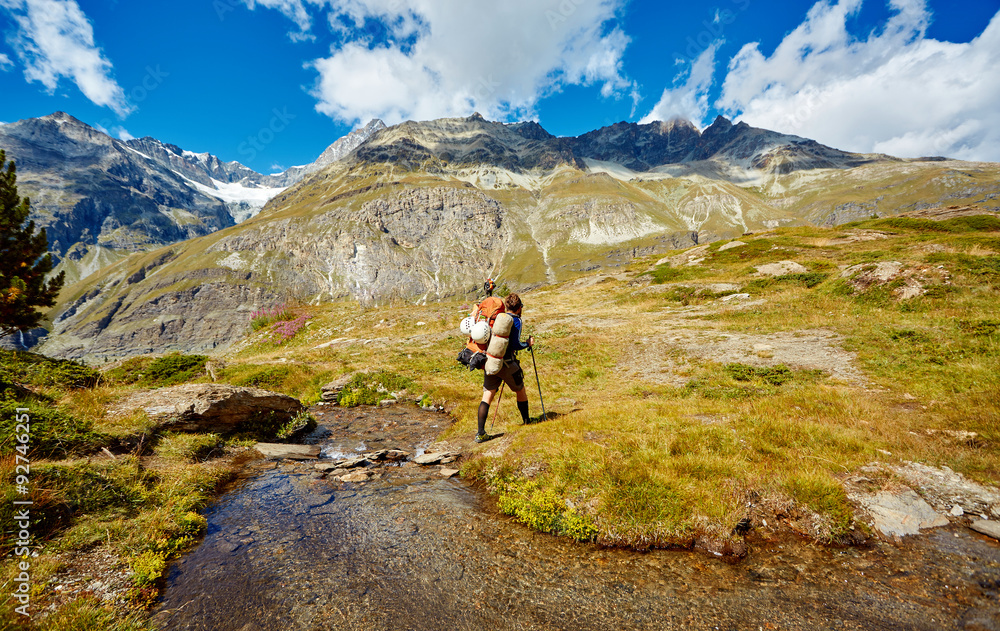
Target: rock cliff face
pixel 426 210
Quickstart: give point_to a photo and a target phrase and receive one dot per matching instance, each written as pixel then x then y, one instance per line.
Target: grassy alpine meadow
pixel 683 395
pixel 674 413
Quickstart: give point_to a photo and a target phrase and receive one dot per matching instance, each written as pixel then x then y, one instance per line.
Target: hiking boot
pixel 482 438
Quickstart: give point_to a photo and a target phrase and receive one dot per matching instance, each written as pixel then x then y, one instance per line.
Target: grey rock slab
pixel 901 514
pixel 350 463
pixel 432 458
pixel 203 407
pixel 987 527
pixel 293 452
pixel 332 389
pixel 731 297
pixel 396 454
pixel 781 268
pixel 731 245
pixel 435 457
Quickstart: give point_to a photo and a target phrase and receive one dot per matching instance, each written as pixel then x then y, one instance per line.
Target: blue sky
pixel 272 82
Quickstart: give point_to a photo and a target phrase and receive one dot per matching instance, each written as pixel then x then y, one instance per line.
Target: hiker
pixel 511 373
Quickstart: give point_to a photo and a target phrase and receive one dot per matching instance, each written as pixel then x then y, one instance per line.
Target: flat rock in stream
pixel 293 452
pixel 987 527
pixel 901 514
pixel 357 476
pixel 351 463
pixel 447 473
pixel 434 458
pixel 330 467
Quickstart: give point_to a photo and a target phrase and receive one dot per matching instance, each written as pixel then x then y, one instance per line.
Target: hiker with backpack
pixel 509 371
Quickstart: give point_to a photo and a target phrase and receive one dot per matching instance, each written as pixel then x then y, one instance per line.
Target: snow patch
pixel 136 151
pixel 250 199
pixel 200 157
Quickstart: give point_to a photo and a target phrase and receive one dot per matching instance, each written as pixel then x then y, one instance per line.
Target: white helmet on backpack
pixel 480 332
pixel 466 326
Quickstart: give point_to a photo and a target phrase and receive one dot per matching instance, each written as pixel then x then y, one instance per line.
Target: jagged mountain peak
pixel 466 141
pixel 343 146
pixel 62 117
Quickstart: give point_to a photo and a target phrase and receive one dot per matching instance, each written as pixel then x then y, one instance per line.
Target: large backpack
pixel 489 309
pixel 474 353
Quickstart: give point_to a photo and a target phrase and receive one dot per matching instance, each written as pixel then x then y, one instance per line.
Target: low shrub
pixel 302 423
pixel 173 369
pixel 542 509
pixel 666 273
pixel 38 370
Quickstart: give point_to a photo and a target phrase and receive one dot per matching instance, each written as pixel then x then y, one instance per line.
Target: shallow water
pixel 409 550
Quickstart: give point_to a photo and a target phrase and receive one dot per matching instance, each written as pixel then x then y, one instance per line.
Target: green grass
pixel 661 445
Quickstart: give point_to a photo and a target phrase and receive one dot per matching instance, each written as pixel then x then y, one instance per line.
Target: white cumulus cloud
pixel 687 100
pixel 451 58
pixel 54 39
pixel 123 134
pixel 295 10
pixel 5 62
pixel 894 90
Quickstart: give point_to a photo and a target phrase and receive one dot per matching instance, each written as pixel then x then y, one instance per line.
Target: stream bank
pixel 287 548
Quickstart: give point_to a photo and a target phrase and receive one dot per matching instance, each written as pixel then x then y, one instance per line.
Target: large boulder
pixel 208 407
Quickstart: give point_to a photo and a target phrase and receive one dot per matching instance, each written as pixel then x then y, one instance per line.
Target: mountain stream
pixel 408 549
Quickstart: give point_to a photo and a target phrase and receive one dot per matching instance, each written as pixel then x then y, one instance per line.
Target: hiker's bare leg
pixel 488 396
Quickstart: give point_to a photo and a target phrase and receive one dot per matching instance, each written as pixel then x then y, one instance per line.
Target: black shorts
pixel 511 374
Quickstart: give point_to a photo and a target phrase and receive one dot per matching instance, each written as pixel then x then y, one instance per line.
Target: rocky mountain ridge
pixel 100 198
pixel 524 146
pixel 424 210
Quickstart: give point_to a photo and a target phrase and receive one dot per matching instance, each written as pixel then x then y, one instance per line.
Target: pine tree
pixel 24 260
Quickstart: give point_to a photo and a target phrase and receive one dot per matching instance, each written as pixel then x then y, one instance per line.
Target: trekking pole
pixel 497 411
pixel 535 366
